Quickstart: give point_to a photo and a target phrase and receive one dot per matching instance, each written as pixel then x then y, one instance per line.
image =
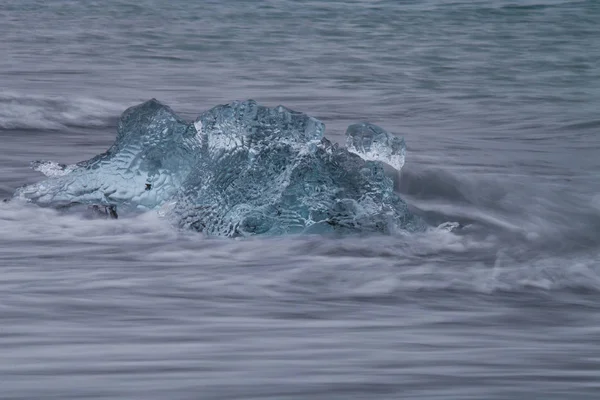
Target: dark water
pixel 498 102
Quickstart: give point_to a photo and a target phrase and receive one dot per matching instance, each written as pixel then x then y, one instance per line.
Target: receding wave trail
pixel 375 266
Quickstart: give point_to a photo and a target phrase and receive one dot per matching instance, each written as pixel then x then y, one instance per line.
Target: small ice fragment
pixel 373 143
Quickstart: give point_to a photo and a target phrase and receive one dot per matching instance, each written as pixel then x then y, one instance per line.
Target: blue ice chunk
pixel 239 169
pixel 154 148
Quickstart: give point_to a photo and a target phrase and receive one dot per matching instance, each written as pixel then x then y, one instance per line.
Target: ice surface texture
pixel 240 169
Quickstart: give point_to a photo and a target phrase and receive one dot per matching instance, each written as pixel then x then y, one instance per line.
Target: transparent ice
pixel 373 143
pixel 240 169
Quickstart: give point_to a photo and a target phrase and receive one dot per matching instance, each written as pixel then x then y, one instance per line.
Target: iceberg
pixel 239 169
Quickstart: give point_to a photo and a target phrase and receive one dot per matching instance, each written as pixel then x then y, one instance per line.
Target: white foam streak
pixel 311 265
pixel 19 111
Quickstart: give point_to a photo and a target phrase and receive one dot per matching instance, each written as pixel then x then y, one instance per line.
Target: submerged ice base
pixel 239 169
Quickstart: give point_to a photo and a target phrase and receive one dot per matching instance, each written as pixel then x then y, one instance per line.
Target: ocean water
pixel 498 102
